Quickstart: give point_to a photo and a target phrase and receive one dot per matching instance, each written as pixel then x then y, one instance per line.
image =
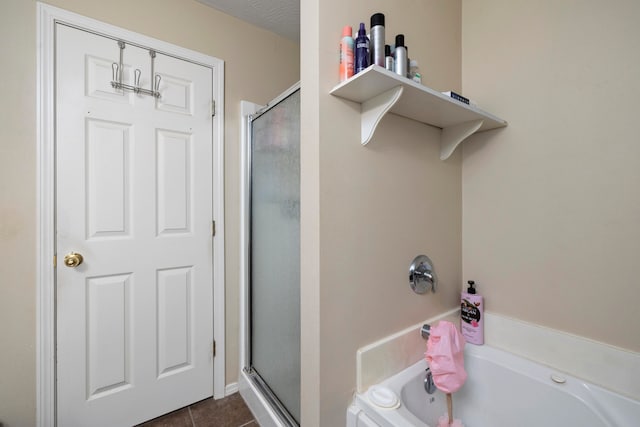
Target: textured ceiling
pixel 279 16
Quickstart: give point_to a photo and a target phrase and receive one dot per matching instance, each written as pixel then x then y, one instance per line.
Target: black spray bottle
pixel 362 50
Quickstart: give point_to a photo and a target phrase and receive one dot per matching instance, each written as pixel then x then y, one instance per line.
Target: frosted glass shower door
pixel 275 250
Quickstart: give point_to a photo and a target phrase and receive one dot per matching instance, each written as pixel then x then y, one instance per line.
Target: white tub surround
pixel 610 367
pixel 390 355
pixel 502 389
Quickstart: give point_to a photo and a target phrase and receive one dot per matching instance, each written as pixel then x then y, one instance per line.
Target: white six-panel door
pixel 134 198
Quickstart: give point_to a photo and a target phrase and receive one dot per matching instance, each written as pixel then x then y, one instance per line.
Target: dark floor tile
pixel 179 418
pixel 228 412
pixel 253 423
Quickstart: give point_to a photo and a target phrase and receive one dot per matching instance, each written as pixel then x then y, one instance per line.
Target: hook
pixel 114 72
pixel 118 68
pixel 157 84
pixel 136 78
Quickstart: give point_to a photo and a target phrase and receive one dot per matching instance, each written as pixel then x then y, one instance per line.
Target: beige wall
pixel 550 213
pixel 367 211
pixel 551 218
pixel 17 215
pixel 258 66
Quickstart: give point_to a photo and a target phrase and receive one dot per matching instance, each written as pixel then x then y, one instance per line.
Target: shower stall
pixel 270 295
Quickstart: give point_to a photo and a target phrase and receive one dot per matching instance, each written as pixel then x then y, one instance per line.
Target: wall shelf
pixel 380 91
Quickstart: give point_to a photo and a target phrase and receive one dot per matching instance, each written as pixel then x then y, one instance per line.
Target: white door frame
pixel 47 16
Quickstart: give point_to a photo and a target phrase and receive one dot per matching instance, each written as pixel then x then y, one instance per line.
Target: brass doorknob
pixel 73 259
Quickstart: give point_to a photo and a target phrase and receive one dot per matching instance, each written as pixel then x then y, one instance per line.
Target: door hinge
pixel 213 228
pixel 55 261
pixel 214 348
pixel 213 108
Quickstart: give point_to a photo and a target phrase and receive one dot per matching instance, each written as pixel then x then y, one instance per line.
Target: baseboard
pixel 230 389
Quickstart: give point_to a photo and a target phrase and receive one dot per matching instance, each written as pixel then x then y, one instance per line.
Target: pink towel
pixel 445 357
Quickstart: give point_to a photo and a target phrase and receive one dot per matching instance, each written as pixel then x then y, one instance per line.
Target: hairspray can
pixel 388 59
pixel 346 53
pixel 401 56
pixel 377 39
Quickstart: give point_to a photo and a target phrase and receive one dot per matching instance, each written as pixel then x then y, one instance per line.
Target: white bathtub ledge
pixel 610 367
pixel 503 389
pixel 601 364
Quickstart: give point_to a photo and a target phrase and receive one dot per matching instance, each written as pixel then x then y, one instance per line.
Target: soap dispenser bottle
pixel 472 315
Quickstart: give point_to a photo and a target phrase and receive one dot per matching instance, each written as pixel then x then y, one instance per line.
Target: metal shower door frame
pixel 283 414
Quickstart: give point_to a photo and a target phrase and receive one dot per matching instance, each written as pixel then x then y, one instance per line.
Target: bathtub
pixel 502 390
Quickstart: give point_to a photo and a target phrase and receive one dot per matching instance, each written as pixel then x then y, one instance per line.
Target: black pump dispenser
pixel 471 290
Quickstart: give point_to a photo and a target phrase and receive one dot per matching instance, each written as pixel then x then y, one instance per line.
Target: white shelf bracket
pixel 374 109
pixel 452 136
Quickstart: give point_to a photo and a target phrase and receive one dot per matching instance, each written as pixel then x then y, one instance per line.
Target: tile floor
pixel 228 412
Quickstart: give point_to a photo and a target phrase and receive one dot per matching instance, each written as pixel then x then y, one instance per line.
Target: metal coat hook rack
pixel 117 69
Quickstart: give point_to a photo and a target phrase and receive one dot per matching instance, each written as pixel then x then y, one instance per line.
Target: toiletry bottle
pixel 346 53
pixel 377 39
pixel 362 50
pixel 408 60
pixel 414 71
pixel 472 315
pixel 400 59
pixel 388 59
